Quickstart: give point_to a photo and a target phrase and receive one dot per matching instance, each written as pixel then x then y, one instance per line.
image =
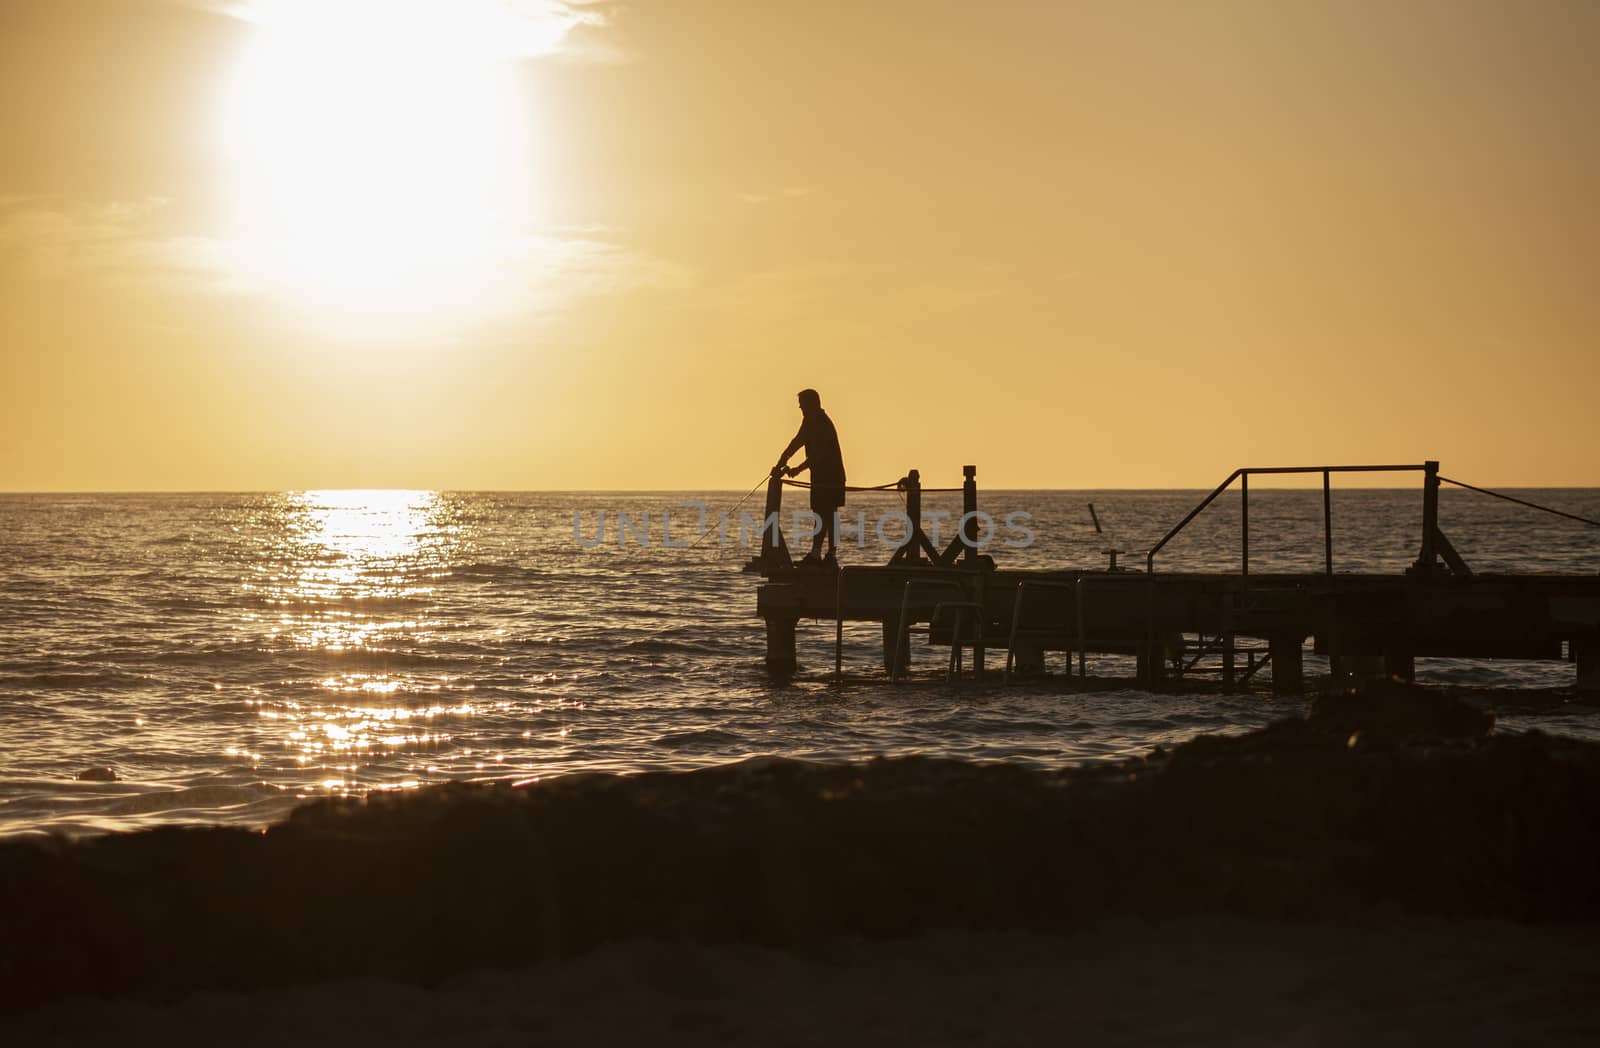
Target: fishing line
pixel 705 534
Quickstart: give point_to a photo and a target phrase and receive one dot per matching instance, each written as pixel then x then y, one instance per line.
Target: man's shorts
pixel 825 500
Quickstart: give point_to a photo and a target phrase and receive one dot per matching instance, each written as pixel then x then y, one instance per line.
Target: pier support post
pixel 1230 644
pixel 781 660
pixel 1028 660
pixel 895 639
pixel 1400 664
pixel 1287 676
pixel 1148 662
pixel 1363 667
pixel 1586 653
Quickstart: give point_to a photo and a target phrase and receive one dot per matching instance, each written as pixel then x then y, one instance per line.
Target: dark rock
pixel 1395 711
pixel 96 774
pixel 1301 819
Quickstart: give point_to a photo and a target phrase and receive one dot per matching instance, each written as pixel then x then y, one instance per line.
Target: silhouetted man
pixel 826 463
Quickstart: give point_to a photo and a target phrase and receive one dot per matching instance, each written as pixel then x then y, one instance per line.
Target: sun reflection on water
pixel 373 664
pixel 347 557
pixel 351 573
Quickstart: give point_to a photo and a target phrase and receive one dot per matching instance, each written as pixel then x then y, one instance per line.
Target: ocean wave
pixel 203 798
pixel 496 570
pixel 701 739
pixel 68 680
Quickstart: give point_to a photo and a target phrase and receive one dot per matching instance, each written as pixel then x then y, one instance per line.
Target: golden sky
pixel 532 244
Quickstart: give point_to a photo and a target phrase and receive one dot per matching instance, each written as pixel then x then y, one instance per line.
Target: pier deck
pixel 1229 624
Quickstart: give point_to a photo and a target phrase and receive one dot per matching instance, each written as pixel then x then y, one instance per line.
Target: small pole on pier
pixel 1430 517
pixel 1244 526
pixel 1077 615
pixel 913 546
pixel 1327 520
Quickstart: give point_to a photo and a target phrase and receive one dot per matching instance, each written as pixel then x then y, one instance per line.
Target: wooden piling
pixel 1586 653
pixel 1400 664
pixel 1287 675
pixel 781 659
pixel 1150 662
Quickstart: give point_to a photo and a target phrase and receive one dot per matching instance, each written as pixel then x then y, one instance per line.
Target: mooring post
pixel 969 509
pixel 781 660
pixel 1287 677
pixel 1430 517
pixel 774 551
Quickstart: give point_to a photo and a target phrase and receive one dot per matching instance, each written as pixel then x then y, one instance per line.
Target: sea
pixel 230 656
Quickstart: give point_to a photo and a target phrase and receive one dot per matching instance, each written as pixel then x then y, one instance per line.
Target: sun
pixel 377 154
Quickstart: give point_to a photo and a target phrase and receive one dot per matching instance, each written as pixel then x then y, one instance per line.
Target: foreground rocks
pixel 1393 801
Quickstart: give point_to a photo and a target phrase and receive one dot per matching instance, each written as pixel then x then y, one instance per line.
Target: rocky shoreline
pixel 1397 800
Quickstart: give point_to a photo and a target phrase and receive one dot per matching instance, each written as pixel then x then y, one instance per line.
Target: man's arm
pixel 794 445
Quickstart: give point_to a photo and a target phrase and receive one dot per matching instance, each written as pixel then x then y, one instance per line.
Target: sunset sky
pixel 248 244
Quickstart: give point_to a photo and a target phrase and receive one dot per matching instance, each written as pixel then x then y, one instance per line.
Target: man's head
pixel 809 401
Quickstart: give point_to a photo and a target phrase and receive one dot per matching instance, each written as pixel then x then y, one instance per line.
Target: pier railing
pixel 1433 542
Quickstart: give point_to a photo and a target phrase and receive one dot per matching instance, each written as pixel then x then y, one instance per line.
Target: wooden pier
pixel 1232 626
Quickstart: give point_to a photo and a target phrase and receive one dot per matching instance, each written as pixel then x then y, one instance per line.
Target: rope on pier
pixel 891 486
pixel 1522 502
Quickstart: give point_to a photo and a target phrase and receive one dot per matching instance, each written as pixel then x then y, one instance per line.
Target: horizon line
pixel 20 492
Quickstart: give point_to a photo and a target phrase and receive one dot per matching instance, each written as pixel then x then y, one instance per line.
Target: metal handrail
pixel 1243 475
pixel 954 670
pixel 1016 615
pixel 903 627
pixel 1076 586
pixel 920 570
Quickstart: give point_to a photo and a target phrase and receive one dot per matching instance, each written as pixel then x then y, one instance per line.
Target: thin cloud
pixel 782 193
pixel 116 241
pixel 515 28
pixel 122 243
